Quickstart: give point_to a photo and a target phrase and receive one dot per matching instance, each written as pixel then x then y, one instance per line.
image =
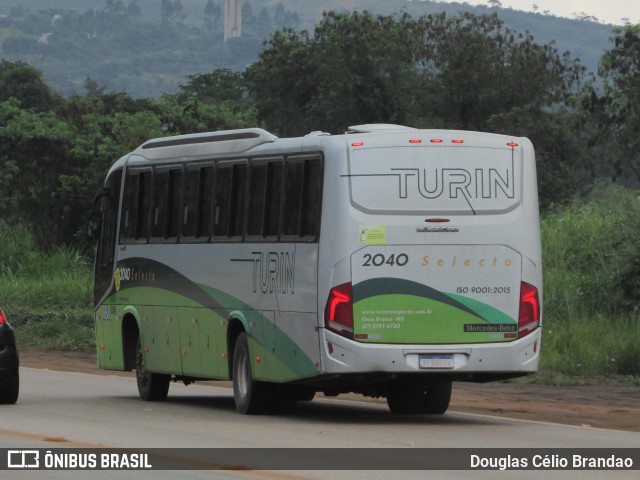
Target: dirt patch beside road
pixel 613 407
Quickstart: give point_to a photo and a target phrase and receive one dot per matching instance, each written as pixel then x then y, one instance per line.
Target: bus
pixel 387 261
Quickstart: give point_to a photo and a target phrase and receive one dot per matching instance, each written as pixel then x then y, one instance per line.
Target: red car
pixel 9 363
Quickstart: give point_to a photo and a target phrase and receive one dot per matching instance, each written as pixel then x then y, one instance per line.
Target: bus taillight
pixel 529 318
pixel 338 314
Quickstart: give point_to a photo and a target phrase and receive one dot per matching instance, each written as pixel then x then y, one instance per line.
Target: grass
pixel 591 306
pixel 46 296
pixel 591 253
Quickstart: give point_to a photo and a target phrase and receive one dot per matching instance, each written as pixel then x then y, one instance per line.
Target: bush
pixel 591 253
pixel 591 266
pixel 47 297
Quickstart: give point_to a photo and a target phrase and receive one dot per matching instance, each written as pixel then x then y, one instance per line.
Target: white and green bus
pixel 388 261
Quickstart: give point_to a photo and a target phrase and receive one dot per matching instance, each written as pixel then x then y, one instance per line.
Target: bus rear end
pixel 434 267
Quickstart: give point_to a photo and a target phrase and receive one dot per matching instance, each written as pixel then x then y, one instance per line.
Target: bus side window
pixel 198 195
pixel 205 200
pixel 165 213
pixel 159 205
pixel 173 203
pixel 311 194
pixel 222 194
pixel 273 199
pixel 265 192
pixel 135 211
pixel 191 194
pixel 238 195
pixel 303 187
pixel 105 252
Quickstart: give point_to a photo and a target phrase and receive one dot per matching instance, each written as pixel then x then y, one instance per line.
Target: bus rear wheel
pixel 436 401
pixel 415 397
pixel 152 387
pixel 405 397
pixel 250 396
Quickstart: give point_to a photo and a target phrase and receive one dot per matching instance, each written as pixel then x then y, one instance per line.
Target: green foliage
pixel 591 284
pixel 478 69
pixel 581 346
pixel 591 254
pixel 459 72
pixel 47 296
pixel 209 102
pixel 620 69
pixel 33 145
pixel 357 68
pixel 25 84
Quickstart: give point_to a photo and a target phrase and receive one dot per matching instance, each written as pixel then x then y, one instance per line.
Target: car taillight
pixel 3 319
pixel 338 314
pixel 529 318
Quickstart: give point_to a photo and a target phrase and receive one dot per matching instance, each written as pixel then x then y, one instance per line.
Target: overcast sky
pixel 607 11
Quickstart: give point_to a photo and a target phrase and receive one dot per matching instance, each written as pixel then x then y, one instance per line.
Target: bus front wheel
pixel 152 387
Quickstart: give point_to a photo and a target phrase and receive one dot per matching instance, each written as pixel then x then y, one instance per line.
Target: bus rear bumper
pixel 479 362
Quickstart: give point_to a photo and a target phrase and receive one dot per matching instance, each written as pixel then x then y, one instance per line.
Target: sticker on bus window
pixel 373 234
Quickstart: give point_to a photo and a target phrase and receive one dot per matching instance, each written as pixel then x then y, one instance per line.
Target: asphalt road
pixel 68 410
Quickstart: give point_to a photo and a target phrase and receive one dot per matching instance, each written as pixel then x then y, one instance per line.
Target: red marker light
pixel 357 144
pixel 415 141
pixel 529 317
pixel 338 314
pixel 512 144
pixel 457 141
pixel 437 220
pixel 436 140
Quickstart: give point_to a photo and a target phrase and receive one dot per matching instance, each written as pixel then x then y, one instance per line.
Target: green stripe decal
pixel 391 310
pixel 146 282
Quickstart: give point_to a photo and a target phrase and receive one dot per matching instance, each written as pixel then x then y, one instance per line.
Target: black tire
pixel 282 398
pixel 406 397
pixel 153 387
pixel 250 396
pixel 436 402
pixel 9 393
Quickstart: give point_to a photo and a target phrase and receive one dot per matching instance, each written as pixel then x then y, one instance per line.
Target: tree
pixel 212 15
pixel 133 11
pixel 461 72
pixel 248 19
pixel 26 84
pixel 480 75
pixel 620 69
pixel 208 102
pixel 279 15
pixel 219 86
pixel 263 23
pixel 356 68
pixel 477 69
pixel 35 147
pixel 171 12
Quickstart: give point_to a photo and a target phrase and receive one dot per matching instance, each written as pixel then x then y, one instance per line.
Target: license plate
pixel 437 361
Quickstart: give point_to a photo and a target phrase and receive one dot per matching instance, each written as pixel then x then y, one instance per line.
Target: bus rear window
pixel 436 179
